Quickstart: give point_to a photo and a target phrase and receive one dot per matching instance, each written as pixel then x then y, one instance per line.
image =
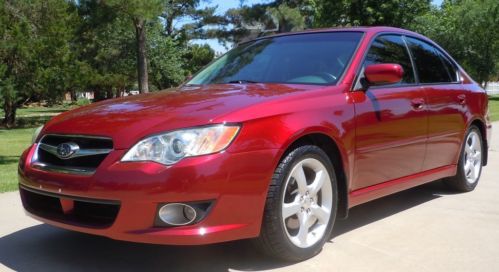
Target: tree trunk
pixel 9 109
pixel 109 93
pixel 140 35
pixel 169 26
pixel 73 96
pixel 98 94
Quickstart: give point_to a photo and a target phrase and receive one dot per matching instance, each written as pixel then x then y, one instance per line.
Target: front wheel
pixel 301 205
pixel 470 163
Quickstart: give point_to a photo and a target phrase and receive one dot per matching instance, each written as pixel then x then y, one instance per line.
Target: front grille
pixel 84 212
pixel 90 153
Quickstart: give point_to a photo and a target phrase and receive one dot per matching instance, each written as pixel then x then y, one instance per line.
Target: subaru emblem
pixel 66 150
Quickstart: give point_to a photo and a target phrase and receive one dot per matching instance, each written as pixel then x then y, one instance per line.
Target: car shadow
pixel 8 159
pixel 45 248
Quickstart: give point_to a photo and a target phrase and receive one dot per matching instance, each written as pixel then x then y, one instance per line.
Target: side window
pixel 429 64
pixel 391 49
pixel 451 69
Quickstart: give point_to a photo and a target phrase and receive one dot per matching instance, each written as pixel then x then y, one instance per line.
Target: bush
pixel 83 101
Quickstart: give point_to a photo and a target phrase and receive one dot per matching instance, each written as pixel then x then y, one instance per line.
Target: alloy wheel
pixel 307 203
pixel 472 157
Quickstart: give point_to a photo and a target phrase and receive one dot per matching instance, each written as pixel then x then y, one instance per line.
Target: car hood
pixel 127 120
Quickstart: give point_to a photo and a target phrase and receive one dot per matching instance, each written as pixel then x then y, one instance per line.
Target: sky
pixel 224 5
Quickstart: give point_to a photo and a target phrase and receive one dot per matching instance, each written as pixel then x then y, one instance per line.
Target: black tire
pixel 459 182
pixel 273 239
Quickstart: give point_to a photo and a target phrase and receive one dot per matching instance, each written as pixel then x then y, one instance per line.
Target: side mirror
pixel 386 73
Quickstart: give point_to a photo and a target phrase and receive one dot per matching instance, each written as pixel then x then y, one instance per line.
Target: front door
pixel 391 120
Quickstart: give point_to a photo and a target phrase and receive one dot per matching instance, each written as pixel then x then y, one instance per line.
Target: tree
pixel 139 12
pixel 397 13
pixel 172 58
pixel 468 30
pixel 188 10
pixel 34 51
pixel 104 45
pixel 166 58
pixel 197 56
pixel 249 22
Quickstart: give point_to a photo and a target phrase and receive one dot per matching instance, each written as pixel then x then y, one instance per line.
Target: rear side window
pixel 451 70
pixel 429 64
pixel 391 49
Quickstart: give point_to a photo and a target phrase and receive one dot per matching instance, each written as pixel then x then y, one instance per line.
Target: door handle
pixel 462 99
pixel 417 103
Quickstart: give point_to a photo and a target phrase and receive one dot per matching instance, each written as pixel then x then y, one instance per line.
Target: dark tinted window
pixel 318 58
pixel 429 65
pixel 451 70
pixel 391 49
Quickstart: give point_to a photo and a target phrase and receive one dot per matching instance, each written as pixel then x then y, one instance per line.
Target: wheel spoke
pixel 321 213
pixel 318 182
pixel 467 167
pixel 303 231
pixel 477 156
pixel 300 178
pixel 468 149
pixel 473 172
pixel 289 209
pixel 475 142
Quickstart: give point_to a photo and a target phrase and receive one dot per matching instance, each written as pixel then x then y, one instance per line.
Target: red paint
pixel 67 205
pixel 386 73
pixel 389 139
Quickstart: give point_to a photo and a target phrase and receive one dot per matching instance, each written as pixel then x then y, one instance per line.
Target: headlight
pixel 173 146
pixel 36 134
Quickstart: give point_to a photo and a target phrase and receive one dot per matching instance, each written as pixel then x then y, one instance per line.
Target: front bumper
pixel 236 183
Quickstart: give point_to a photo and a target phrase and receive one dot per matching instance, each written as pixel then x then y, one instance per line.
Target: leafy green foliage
pixel 397 13
pixel 106 50
pixel 50 47
pixel 469 31
pixel 248 22
pixel 34 51
pixel 165 56
pixel 196 57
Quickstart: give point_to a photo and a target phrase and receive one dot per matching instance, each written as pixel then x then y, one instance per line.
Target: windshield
pixel 314 58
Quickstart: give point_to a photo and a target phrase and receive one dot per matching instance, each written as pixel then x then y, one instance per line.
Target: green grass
pixel 494 107
pixel 12 144
pixel 31 111
pixel 14 141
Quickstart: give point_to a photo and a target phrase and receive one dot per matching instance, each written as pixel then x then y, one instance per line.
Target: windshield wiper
pixel 242 81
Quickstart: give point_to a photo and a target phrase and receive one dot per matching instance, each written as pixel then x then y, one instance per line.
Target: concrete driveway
pixel 426 228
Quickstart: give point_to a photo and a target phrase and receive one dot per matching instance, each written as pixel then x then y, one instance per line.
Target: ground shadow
pixel 8 159
pixel 367 213
pixel 45 248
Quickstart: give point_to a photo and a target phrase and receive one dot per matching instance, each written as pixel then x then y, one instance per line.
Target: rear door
pixel 391 120
pixel 446 101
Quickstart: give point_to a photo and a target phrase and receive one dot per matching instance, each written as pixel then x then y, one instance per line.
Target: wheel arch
pixel 480 124
pixel 337 156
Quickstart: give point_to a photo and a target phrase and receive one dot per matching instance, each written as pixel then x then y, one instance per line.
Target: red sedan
pixel 274 141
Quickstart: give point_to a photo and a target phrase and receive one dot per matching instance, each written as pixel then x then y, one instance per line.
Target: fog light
pixel 177 214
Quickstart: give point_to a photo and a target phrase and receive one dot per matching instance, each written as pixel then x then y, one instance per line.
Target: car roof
pixel 365 29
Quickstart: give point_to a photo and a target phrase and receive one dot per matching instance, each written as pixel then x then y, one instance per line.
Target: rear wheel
pixel 470 163
pixel 301 205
